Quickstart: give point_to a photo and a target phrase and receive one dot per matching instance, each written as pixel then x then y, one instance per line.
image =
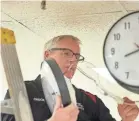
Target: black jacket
pixel 91 107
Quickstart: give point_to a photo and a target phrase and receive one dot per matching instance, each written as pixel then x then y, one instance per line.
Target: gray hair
pixel 52 43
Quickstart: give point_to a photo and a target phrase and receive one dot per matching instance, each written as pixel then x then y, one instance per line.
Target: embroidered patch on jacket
pixel 80 106
pixel 38 99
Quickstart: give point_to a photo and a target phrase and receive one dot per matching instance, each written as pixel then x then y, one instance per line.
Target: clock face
pixel 121 50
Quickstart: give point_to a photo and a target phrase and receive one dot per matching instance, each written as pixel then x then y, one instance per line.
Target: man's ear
pixel 46 54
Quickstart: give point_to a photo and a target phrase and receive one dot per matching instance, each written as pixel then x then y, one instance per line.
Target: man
pixel 65 50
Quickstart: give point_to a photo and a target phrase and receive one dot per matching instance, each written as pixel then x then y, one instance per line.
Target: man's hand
pixel 128 112
pixel 69 113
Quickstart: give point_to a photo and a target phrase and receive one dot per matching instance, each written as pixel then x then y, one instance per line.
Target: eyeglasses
pixel 69 53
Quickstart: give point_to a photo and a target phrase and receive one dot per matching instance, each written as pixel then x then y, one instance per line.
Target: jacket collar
pixel 38 82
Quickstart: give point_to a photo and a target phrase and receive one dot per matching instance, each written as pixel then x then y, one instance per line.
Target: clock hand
pixel 136 45
pixel 133 52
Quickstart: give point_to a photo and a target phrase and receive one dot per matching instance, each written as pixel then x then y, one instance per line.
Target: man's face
pixel 67 64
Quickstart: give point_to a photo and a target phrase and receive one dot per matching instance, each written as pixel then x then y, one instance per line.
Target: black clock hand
pixel 136 45
pixel 133 52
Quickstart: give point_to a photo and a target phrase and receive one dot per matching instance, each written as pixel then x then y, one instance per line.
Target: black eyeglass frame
pixel 77 55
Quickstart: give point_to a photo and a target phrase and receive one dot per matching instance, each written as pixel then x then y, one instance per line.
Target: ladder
pixel 18 105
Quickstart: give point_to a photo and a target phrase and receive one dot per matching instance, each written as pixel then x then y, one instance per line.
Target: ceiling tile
pixel 130 5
